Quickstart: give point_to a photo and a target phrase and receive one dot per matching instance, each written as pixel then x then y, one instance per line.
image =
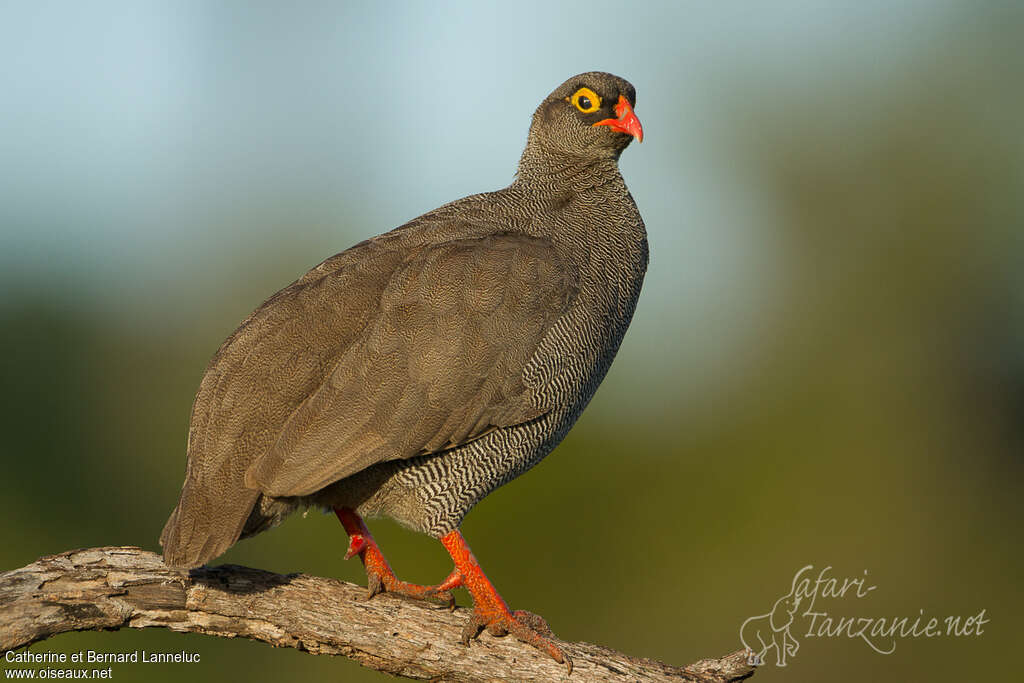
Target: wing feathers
pixel 388 350
pixel 439 364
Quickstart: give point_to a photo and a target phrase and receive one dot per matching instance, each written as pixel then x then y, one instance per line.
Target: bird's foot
pixel 380 578
pixel 489 609
pixel 526 626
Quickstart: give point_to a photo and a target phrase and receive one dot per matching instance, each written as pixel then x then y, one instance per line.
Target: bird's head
pixel 589 116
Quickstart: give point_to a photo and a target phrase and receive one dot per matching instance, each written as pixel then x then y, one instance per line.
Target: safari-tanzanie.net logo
pixel 777 633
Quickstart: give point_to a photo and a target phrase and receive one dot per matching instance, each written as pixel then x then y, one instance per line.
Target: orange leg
pixel 489 609
pixel 379 575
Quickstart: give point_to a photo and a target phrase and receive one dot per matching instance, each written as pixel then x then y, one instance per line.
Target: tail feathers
pixel 201 529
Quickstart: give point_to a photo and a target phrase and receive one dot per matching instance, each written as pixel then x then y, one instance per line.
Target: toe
pixel 525 626
pixel 534 621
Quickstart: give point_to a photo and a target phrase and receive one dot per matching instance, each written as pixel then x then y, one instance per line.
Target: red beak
pixel 627 122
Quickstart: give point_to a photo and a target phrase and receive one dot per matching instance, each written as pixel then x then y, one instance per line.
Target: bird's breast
pixel 576 353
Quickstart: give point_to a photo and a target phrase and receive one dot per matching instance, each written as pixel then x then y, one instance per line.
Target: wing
pixel 275 359
pixel 439 362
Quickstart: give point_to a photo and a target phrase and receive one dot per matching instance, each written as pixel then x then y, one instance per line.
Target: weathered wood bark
pixel 113 587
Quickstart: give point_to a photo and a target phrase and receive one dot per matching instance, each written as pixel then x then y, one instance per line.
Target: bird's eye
pixel 586 100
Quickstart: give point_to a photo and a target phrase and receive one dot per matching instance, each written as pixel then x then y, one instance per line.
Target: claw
pixel 374 585
pixel 472 629
pixel 443 597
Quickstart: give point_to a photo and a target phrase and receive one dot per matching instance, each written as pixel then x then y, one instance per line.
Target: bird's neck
pixel 571 194
pixel 542 168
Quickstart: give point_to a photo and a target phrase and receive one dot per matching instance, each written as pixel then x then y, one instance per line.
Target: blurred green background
pixel 826 366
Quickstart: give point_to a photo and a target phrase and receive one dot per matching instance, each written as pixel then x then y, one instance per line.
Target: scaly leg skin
pixel 489 609
pixel 379 576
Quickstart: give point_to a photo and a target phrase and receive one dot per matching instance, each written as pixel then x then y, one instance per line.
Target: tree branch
pixel 113 587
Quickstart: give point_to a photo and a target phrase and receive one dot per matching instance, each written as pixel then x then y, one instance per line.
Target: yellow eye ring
pixel 586 100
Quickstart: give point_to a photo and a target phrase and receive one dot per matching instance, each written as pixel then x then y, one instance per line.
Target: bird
pixel 414 373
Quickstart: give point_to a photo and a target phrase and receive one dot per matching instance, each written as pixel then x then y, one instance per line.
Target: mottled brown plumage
pixel 415 372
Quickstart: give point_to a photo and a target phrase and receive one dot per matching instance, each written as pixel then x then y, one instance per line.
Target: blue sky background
pixel 146 147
